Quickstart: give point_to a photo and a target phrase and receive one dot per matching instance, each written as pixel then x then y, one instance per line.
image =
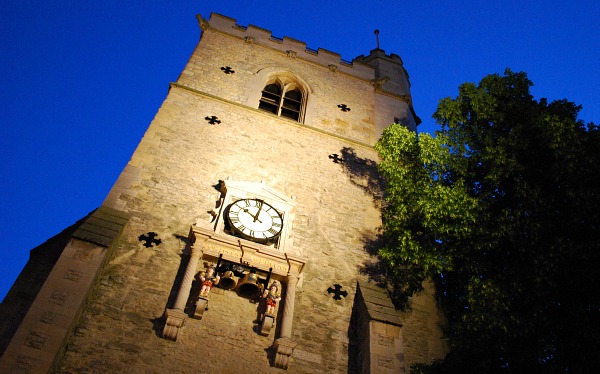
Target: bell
pixel 228 280
pixel 248 287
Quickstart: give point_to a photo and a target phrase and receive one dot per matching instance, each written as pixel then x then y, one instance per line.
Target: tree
pixel 502 210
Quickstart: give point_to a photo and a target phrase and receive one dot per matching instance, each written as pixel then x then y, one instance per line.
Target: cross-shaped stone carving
pixel 212 120
pixel 150 239
pixel 336 158
pixel 337 292
pixel 227 70
pixel 344 107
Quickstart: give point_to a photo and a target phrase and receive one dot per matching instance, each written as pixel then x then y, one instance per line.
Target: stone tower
pixel 259 169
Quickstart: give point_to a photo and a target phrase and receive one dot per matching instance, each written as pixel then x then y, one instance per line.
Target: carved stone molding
pixel 332 67
pixel 175 320
pixel 284 348
pixel 377 83
pixel 245 252
pixel 249 39
pixel 407 99
pixel 291 53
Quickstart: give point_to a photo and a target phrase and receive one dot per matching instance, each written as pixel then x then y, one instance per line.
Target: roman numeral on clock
pixel 254 219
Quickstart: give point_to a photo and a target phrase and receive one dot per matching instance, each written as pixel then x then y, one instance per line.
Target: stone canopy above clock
pixel 255 212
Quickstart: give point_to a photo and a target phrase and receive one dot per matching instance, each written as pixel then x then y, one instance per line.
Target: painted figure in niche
pixel 272 296
pixel 209 279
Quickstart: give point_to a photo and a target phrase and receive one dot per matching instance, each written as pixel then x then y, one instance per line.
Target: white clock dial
pixel 255 220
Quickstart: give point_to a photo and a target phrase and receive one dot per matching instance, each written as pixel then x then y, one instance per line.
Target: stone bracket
pixel 175 320
pixel 201 307
pixel 284 348
pixel 267 325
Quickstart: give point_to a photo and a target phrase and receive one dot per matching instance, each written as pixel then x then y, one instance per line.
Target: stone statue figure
pixel 272 296
pixel 209 279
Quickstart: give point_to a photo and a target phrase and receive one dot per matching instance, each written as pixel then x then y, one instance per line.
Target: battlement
pixel 380 53
pixel 290 46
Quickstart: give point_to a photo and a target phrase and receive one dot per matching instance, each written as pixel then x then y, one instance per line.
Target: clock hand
pixel 254 217
pixel 260 204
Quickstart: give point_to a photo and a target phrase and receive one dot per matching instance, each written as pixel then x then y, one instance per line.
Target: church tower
pixel 236 239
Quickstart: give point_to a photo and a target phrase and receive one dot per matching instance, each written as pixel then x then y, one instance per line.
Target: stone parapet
pixel 289 46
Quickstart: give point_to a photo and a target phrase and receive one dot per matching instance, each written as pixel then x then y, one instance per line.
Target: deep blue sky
pixel 80 81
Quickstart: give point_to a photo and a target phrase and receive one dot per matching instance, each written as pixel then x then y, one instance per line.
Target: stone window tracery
pixel 283 97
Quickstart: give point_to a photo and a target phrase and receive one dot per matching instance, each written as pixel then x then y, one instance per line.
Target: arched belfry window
pixel 292 104
pixel 284 98
pixel 271 97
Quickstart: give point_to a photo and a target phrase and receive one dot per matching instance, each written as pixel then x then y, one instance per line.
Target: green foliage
pixel 502 209
pixel 415 218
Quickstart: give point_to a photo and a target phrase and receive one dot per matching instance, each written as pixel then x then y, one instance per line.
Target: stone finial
pixel 249 39
pixel 332 67
pixel 291 53
pixel 203 22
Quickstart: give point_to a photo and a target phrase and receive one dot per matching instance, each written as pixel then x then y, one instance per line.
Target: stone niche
pixel 210 242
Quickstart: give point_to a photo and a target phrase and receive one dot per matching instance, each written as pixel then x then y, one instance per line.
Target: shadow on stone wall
pixel 363 173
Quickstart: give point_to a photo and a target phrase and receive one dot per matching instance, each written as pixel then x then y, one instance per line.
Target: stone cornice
pixel 246 253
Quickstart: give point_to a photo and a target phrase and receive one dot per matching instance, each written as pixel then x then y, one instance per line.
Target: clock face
pixel 255 220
